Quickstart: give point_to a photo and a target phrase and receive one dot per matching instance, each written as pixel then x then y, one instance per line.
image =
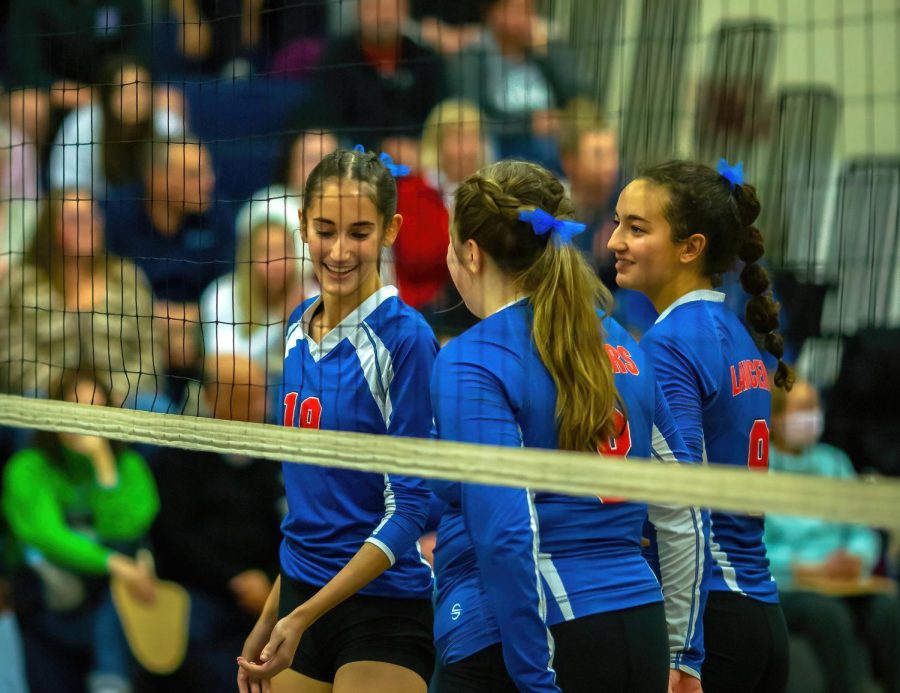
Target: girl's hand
pixel 253 647
pixel 681 682
pixel 275 656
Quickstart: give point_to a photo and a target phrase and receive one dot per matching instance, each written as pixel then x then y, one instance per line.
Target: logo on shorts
pixel 455 612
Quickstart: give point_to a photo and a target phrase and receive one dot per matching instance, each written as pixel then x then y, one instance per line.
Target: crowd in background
pixel 147 275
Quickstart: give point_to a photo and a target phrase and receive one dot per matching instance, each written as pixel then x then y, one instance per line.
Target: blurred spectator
pixel 304 150
pixel 824 569
pixel 71 302
pixel 454 146
pixel 55 47
pixel 106 142
pixel 244 313
pixel 218 531
pixel 218 35
pixel 379 84
pixel 173 228
pixel 448 26
pixel 294 35
pixel 18 192
pixel 79 507
pixel 519 78
pixel 589 155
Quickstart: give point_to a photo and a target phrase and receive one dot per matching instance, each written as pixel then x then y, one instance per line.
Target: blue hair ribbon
pixel 396 170
pixel 563 230
pixel 733 174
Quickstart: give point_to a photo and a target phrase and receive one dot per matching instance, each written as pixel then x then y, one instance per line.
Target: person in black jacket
pixel 378 84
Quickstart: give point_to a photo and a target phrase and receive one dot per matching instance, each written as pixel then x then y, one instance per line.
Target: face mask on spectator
pixel 802 429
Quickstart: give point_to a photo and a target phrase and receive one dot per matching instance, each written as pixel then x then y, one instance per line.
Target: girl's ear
pixel 392 230
pixel 303 233
pixel 471 256
pixel 694 245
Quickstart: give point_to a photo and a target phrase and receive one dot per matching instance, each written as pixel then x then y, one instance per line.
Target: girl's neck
pixel 499 291
pixel 335 309
pixel 682 284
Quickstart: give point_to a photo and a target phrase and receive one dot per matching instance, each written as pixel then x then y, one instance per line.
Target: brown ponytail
pixel 762 311
pixel 703 201
pixel 563 291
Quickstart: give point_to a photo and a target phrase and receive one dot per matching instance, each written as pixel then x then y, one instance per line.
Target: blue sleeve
pixel 407 499
pixel 682 534
pixel 680 383
pixel 470 406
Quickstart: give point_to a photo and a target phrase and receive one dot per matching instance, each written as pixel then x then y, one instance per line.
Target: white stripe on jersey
pixel 535 554
pixel 536 557
pixel 679 565
pixel 557 588
pixel 390 506
pixel 377 367
pixel 719 557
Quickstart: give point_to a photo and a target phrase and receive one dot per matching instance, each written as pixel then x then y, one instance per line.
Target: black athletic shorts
pixel 363 628
pixel 623 651
pixel 746 644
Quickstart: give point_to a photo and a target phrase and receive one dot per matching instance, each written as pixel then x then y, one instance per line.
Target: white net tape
pixel 865 501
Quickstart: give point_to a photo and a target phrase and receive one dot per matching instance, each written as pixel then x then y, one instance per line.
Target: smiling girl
pixel 354 596
pixel 680 226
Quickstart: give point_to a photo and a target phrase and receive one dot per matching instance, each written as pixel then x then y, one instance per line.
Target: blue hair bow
pixel 733 174
pixel 397 170
pixel 543 223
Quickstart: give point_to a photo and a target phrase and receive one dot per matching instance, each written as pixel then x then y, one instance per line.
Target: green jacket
pixel 60 510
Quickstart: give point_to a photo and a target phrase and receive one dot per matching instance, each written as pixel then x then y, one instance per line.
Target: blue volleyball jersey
pixel 494 581
pixel 591 555
pixel 369 374
pixel 714 379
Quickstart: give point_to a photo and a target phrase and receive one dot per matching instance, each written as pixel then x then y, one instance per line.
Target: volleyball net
pixel 214 116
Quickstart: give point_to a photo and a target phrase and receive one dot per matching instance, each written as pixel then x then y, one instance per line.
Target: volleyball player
pixel 536 372
pixel 351 610
pixel 681 225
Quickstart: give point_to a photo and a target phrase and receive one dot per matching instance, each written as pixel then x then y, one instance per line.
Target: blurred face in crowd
pixel 381 21
pixel 799 425
pixel 80 227
pixel 132 101
pixel 186 179
pixel 461 150
pixel 512 20
pixel 272 254
pixel 306 152
pixel 595 167
pixel 345 234
pixel 647 259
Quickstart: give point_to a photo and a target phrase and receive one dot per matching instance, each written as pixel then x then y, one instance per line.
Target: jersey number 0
pixel 619 446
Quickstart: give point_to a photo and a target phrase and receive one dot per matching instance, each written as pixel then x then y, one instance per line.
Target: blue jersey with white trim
pixel 714 378
pixel 490 386
pixel 591 555
pixel 369 374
